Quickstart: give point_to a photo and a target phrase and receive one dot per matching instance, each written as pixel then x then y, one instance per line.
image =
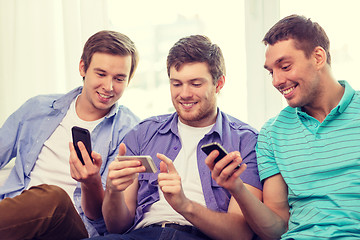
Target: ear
pixel 320 57
pixel 82 68
pixel 220 83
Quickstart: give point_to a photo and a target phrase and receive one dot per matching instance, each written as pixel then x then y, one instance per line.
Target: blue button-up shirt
pixel 23 135
pixel 160 135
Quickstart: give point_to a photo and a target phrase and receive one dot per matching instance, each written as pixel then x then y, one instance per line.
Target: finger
pixel 209 160
pixel 84 153
pixel 232 172
pixel 163 167
pixel 118 169
pixel 170 165
pixel 75 174
pixel 239 171
pixel 173 189
pixel 230 159
pixel 74 159
pixel 73 154
pixel 120 184
pixel 122 149
pixel 124 180
pixel 97 158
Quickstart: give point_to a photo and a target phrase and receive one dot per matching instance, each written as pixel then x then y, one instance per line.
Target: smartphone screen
pixel 81 135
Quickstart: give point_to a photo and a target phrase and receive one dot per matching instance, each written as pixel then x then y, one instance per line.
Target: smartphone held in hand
pixel 208 148
pixel 81 135
pixel 146 161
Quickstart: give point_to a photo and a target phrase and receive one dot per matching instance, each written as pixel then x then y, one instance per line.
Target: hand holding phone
pixel 208 148
pixel 146 161
pixel 81 135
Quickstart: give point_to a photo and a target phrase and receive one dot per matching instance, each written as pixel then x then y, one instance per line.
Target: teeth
pixel 187 104
pixel 287 91
pixel 104 96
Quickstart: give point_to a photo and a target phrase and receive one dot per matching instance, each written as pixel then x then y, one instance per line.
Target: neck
pixel 328 100
pixel 86 112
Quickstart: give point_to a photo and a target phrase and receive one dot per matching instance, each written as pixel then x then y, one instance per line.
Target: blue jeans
pixel 155 233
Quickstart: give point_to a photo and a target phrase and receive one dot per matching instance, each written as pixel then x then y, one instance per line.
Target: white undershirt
pixel 52 165
pixel 187 167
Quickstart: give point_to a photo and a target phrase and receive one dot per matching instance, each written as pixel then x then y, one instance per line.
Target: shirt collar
pixel 170 124
pixel 218 127
pixel 65 101
pixel 346 98
pixel 344 101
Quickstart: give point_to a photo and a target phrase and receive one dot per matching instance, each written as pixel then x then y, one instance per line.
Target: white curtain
pixel 41 43
pixel 263 101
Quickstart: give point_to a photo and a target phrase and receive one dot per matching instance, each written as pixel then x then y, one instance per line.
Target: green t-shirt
pixel 320 163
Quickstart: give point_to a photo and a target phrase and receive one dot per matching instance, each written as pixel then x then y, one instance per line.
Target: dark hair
pixel 306 33
pixel 110 42
pixel 197 48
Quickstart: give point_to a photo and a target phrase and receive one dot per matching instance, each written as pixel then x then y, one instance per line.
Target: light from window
pixel 155 26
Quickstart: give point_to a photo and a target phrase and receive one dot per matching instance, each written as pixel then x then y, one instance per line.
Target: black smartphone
pixel 81 135
pixel 208 148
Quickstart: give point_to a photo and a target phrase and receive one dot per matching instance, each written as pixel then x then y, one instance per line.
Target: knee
pixel 57 194
pixel 54 195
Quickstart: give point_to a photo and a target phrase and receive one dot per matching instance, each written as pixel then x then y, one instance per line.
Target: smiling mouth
pixel 287 91
pixel 188 105
pixel 105 96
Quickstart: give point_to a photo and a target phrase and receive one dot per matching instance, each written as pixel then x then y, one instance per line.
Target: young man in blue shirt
pixel 308 155
pixel 37 137
pixel 181 201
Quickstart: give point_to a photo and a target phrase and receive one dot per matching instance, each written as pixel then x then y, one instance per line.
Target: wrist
pixel 92 182
pixel 187 208
pixel 238 189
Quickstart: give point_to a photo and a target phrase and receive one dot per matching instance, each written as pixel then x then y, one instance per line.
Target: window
pixel 155 26
pixel 340 20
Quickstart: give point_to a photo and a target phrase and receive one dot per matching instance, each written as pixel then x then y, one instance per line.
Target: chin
pixel 293 104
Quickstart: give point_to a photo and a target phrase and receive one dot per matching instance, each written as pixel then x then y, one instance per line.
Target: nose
pixel 108 84
pixel 186 91
pixel 277 79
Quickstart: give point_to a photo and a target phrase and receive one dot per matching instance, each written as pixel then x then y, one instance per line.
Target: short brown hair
pixel 197 48
pixel 110 42
pixel 306 33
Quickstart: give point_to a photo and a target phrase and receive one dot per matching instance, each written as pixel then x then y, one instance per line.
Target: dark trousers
pixel 156 233
pixel 42 212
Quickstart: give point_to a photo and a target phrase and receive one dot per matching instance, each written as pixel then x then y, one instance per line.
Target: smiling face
pixel 294 75
pixel 193 94
pixel 104 83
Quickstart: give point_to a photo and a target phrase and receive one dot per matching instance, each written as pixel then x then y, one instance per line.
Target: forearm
pixel 265 223
pixel 92 196
pixel 116 214
pixel 217 225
